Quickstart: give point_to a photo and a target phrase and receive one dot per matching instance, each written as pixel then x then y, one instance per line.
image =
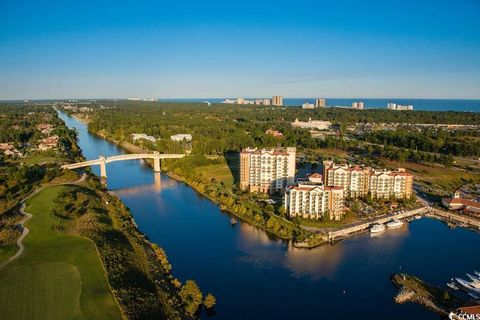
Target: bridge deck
pixel 121 157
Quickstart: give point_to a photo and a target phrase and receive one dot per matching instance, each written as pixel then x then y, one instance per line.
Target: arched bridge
pixel 102 161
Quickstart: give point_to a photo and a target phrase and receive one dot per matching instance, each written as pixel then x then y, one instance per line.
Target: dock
pixel 455 217
pixel 365 225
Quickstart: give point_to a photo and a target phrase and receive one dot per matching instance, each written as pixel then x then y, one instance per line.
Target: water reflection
pixel 317 263
pixel 157 186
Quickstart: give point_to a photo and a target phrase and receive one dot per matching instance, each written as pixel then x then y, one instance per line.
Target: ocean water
pixel 467 105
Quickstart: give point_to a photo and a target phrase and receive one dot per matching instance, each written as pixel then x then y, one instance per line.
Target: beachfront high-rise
pixel 277 101
pixel 319 103
pixel 311 199
pixel 359 181
pixel 267 170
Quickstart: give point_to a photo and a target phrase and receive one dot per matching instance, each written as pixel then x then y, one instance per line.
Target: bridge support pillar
pixel 156 164
pixel 158 181
pixel 103 167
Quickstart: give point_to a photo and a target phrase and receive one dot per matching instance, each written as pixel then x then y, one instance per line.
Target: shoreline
pixel 313 240
pixel 414 290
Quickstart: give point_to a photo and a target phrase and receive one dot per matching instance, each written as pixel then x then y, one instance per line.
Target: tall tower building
pixel 319 103
pixel 267 170
pixel 277 101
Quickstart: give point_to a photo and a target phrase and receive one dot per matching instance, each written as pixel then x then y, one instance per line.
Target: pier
pixel 364 225
pixel 455 217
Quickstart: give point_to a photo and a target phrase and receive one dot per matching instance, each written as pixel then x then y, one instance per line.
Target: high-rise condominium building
pixel 319 103
pixel 267 170
pixel 277 101
pixel 311 199
pixel 359 181
pixel 358 105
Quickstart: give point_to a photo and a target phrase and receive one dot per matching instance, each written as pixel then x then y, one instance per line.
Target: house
pixel 465 206
pixel 275 133
pixel 45 128
pixel 181 137
pixel 48 143
pixel 138 136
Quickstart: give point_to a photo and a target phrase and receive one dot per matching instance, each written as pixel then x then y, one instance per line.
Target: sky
pixel 195 49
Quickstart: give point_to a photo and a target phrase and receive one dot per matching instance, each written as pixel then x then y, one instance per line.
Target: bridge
pixel 102 161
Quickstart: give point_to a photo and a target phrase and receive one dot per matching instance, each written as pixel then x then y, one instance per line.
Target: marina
pixel 246 262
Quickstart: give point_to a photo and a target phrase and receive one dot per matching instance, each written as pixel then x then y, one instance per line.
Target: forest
pixel 219 129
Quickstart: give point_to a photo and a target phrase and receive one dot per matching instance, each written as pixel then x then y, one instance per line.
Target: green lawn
pixel 58 276
pixel 221 172
pixel 7 251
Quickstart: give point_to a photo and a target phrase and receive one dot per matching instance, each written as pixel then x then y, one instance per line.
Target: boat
pixel 394 224
pixel 452 285
pixel 376 228
pixel 418 217
pixel 474 296
pixel 473 278
pixel 468 286
pixel 233 221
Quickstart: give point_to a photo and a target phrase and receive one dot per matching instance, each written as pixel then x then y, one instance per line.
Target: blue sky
pixel 169 49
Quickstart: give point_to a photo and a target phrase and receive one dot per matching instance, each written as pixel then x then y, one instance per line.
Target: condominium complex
pixel 358 105
pixel 359 181
pixel 311 199
pixel 399 107
pixel 307 105
pixel 319 103
pixel 267 170
pixel 312 124
pixel 262 101
pixel 277 101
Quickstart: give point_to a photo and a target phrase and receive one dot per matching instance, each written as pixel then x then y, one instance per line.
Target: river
pixel 256 277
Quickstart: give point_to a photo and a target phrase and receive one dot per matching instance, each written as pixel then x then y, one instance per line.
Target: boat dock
pixel 365 225
pixel 455 217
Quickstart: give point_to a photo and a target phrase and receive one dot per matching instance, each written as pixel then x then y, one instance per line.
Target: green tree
pixel 209 301
pixel 191 296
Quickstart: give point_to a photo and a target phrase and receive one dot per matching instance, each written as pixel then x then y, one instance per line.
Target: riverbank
pixel 247 212
pixel 412 289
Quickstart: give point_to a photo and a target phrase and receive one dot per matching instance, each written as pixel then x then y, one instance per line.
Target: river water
pixel 255 276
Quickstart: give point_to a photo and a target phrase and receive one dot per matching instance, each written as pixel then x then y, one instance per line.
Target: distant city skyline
pixel 151 49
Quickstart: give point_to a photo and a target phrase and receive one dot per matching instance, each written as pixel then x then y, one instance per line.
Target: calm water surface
pixel 256 277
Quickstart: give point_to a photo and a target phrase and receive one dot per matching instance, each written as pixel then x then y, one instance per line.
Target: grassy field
pixel 221 173
pixel 7 251
pixel 449 179
pixel 58 276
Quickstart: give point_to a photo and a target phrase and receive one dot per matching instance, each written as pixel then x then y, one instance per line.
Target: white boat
pixel 452 285
pixel 473 278
pixel 376 228
pixel 468 285
pixel 418 217
pixel 394 224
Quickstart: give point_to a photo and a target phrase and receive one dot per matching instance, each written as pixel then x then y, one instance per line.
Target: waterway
pixel 256 277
